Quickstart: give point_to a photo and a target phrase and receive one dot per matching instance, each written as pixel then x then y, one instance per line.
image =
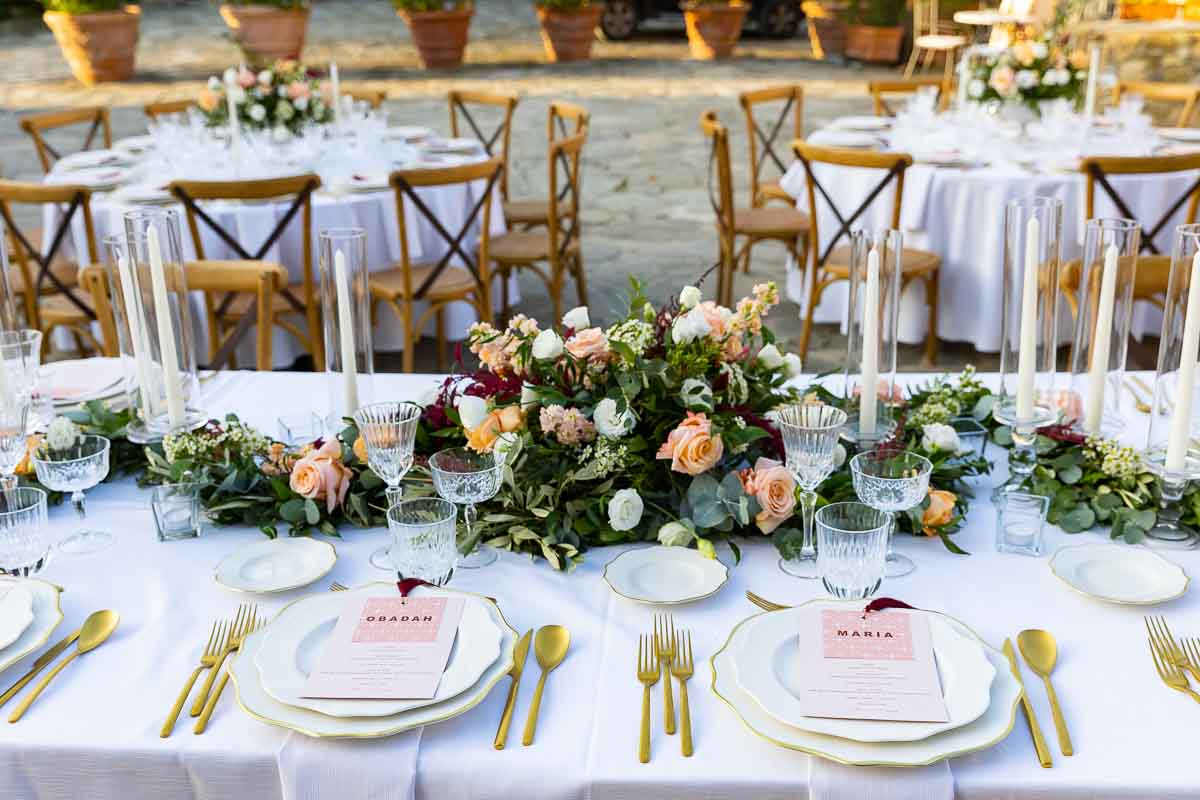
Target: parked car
pixel 777 19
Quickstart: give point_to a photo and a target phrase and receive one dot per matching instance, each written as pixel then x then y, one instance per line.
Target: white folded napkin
pixel 828 780
pixel 377 769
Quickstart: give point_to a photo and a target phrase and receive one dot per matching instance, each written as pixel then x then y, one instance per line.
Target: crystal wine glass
pixel 465 477
pixel 894 481
pixel 23 548
pixel 810 437
pixel 82 467
pixel 389 430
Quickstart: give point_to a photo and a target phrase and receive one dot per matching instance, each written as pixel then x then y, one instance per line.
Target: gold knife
pixel 520 653
pixel 42 662
pixel 1039 742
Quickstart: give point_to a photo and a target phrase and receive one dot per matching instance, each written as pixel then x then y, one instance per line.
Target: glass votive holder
pixel 298 429
pixel 971 434
pixel 176 508
pixel 1020 520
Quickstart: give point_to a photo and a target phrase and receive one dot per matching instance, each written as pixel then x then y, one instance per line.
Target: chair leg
pixel 440 320
pixel 316 336
pixel 814 297
pixel 746 256
pixel 505 300
pixel 80 347
pixel 948 66
pixel 911 67
pixel 580 280
pixel 931 297
pixel 214 325
pixel 927 60
pixel 556 287
pixel 264 328
pixel 404 313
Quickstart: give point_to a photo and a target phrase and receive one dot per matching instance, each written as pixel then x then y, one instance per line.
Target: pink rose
pixel 774 488
pixel 589 344
pixel 320 475
pixel 297 90
pixel 717 319
pixel 246 78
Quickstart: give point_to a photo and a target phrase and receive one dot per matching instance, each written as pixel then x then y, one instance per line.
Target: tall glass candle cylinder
pixel 346 309
pixel 871 319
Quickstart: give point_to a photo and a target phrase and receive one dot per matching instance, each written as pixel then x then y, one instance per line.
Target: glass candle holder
pixel 299 429
pixel 852 549
pixel 21 358
pixel 972 436
pixel 24 548
pixel 346 304
pixel 1020 522
pixel 176 509
pixel 14 431
pixel 872 317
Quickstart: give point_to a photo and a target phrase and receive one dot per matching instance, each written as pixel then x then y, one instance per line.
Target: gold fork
pixel 1160 632
pixel 648 673
pixel 664 647
pixel 252 624
pixel 216 643
pixel 337 587
pixel 244 613
pixel 1191 653
pixel 1170 672
pixel 764 603
pixel 682 668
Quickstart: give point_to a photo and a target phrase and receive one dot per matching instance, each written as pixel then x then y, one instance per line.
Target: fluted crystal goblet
pixel 892 480
pixel 810 436
pixel 83 466
pixel 465 477
pixel 389 430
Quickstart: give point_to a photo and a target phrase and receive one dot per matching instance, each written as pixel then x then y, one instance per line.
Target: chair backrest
pixel 33 264
pixel 566 183
pixel 1098 171
pixel 167 107
pixel 1149 281
pixel 925 17
pixel 563 121
pixel 1186 95
pixel 405 184
pixel 97 120
pixel 763 141
pixel 720 172
pixel 497 141
pixel 907 86
pixel 373 97
pixel 894 165
pixel 94 280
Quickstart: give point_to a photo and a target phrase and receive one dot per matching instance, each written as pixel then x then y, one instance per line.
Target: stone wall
pixel 1167 56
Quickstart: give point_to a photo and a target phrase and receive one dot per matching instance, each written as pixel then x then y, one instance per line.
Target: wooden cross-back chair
pixel 764 142
pixel 558 246
pixel 48 283
pixel 97 120
pixel 167 107
pixel 909 86
pixel 497 142
pixel 777 223
pixel 1185 95
pixel 372 97
pixel 246 291
pixel 833 262
pixel 563 121
pixel 459 274
pixel 931 38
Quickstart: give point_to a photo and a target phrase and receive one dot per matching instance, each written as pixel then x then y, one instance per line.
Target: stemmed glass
pixel 85 466
pixel 21 358
pixel 810 437
pixel 465 477
pixel 894 481
pixel 14 421
pixel 388 430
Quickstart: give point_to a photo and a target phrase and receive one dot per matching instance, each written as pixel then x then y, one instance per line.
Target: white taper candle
pixel 1093 82
pixel 1181 422
pixel 1027 356
pixel 137 335
pixel 346 332
pixel 869 397
pixel 1098 353
pixel 166 332
pixel 336 87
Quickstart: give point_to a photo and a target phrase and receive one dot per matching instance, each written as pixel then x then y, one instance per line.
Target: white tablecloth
pixel 94 734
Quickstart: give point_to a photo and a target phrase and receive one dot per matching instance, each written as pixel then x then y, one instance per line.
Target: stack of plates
pixel 862 123
pixel 274 663
pixel 756 673
pixel 95 178
pixel 29 613
pixel 82 379
pixel 451 146
pixel 840 138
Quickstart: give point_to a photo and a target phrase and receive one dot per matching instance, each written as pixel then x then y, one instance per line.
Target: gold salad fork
pixel 1161 634
pixel 682 668
pixel 764 603
pixel 648 673
pixel 244 614
pixel 217 641
pixel 664 647
pixel 251 623
pixel 1170 672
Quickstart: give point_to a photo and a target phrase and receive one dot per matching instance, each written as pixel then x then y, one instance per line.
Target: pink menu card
pixel 387 648
pixel 877 667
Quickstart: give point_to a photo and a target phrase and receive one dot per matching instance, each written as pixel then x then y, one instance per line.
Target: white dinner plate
pixel 853 139
pixel 1119 573
pixel 767 668
pixel 408 133
pixel 862 123
pixel 296 637
pixel 368 183
pixel 16 612
pixel 665 575
pixel 989 729
pixel 1180 134
pixel 461 146
pixel 134 145
pixel 91 177
pixel 255 701
pixel 276 565
pixel 47 614
pixel 153 193
pixel 78 380
pixel 90 159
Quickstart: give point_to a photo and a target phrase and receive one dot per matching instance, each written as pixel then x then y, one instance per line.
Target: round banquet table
pixel 957 211
pixel 95 732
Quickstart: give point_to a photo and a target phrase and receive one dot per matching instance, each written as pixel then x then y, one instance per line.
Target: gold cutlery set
pixel 225 638
pixel 669 652
pixel 1174 659
pixel 94 632
pixel 550 647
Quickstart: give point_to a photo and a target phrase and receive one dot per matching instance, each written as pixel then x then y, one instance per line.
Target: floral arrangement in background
pixel 1029 72
pixel 281 99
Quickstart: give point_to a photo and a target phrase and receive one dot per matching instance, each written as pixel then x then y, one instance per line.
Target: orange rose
pixel 321 475
pixel 692 447
pixel 940 510
pixel 773 486
pixel 1023 53
pixel 26 466
pixel 1080 59
pixel 208 100
pixel 360 449
pixel 589 344
pixel 501 420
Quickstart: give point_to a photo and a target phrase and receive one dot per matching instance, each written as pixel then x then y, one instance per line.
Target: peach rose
pixel 208 100
pixel 773 486
pixel 1070 403
pixel 940 510
pixel 360 449
pixel 1023 53
pixel 717 319
pixel 246 78
pixel 501 420
pixel 1002 80
pixel 1080 59
pixel 321 475
pixel 589 344
pixel 692 447
pixel 297 90
pixel 25 467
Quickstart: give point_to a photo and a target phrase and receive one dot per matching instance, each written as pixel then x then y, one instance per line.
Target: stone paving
pixel 646 210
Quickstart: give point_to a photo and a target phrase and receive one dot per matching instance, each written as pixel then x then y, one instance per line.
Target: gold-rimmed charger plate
pixel 47 614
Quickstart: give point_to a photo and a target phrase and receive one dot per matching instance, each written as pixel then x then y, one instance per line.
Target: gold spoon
pixel 1138 403
pixel 550 646
pixel 96 629
pixel 1041 653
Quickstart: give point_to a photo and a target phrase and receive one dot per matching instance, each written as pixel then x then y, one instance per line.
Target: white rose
pixel 689 297
pixel 770 357
pixel 529 396
pixel 547 345
pixel 230 75
pixel 1027 79
pixel 214 84
pixel 265 77
pixel 976 88
pixel 675 534
pixel 610 423
pixel 792 365
pixel 257 112
pixel 300 103
pixel 472 411
pixel 62 434
pixel 938 437
pixel 625 510
pixel 689 327
pixel 839 455
pixel 577 318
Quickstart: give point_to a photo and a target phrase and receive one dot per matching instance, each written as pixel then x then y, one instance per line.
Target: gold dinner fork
pixel 1191 653
pixel 664 647
pixel 682 668
pixel 1170 672
pixel 216 643
pixel 764 603
pixel 1161 633
pixel 337 587
pixel 648 673
pixel 244 614
pixel 252 624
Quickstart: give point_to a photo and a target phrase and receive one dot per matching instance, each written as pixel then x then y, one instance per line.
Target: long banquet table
pixel 94 734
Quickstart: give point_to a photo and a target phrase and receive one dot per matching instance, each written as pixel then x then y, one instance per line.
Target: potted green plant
pixel 568 27
pixel 713 26
pixel 874 31
pixel 439 29
pixel 267 30
pixel 98 38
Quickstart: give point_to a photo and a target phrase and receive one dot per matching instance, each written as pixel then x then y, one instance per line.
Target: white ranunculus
pixel 62 434
pixel 230 75
pixel 770 357
pixel 258 112
pixel 214 84
pixel 689 297
pixel 689 327
pixel 625 510
pixel 547 345
pixel 696 395
pixel 472 411
pixel 529 396
pixel 792 365
pixel 577 318
pixel 937 437
pixel 1027 79
pixel 976 88
pixel 611 423
pixel 839 455
pixel 675 534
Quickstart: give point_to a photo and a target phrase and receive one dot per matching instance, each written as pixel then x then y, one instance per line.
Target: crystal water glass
pixel 423 539
pixel 23 545
pixel 810 436
pixel 852 543
pixel 893 481
pixel 83 467
pixel 465 477
pixel 14 421
pixel 388 430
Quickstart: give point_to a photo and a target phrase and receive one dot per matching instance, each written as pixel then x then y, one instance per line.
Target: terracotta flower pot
pixel 99 46
pixel 568 35
pixel 713 31
pixel 266 34
pixel 440 36
pixel 874 44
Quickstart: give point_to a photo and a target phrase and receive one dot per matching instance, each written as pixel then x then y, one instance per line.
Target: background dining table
pixel 94 734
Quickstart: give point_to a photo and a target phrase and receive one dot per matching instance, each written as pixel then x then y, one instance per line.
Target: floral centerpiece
pixel 282 99
pixel 1029 72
